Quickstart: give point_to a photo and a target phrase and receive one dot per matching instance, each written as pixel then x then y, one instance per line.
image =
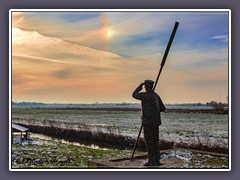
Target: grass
pixel 45 154
pixel 193 130
pixel 207 161
pixel 49 154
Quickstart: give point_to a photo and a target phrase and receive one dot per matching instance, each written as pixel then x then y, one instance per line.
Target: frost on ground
pixel 197 160
pixel 188 129
pixel 50 154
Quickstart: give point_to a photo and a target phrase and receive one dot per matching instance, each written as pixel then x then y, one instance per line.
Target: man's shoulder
pixel 153 93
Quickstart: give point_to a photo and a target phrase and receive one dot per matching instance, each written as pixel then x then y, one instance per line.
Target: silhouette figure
pixel 152 105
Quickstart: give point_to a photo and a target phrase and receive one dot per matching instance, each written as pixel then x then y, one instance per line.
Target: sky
pixel 88 57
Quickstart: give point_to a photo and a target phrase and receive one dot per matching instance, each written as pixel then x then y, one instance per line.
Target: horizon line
pixel 175 103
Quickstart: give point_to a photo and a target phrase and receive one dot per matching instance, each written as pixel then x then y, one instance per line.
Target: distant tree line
pixel 214 104
pixel 217 105
pixel 28 103
pixel 71 104
pixel 188 104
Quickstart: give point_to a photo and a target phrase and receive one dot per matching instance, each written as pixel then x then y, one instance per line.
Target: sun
pixel 110 33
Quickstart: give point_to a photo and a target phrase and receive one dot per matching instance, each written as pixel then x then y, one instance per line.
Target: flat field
pixel 188 129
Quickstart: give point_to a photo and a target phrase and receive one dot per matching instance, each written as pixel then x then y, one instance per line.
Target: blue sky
pixel 130 45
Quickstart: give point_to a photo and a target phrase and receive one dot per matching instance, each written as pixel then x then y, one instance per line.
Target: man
pixel 152 105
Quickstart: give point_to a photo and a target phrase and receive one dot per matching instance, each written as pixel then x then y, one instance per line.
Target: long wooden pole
pixel 162 64
pixel 166 52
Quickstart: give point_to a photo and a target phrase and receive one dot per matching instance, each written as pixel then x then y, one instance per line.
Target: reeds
pixel 84 134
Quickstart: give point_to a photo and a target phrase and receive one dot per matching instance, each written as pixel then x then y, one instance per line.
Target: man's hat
pixel 149 82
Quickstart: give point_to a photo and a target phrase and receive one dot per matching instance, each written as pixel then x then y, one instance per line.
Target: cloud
pixel 89 29
pixel 83 72
pixel 17 17
pixel 199 59
pixel 221 37
pixel 38 59
pixel 64 59
pixel 61 74
pixel 35 44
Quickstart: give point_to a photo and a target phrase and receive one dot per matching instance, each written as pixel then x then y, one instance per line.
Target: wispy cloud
pixel 221 37
pixel 35 58
pixel 103 56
